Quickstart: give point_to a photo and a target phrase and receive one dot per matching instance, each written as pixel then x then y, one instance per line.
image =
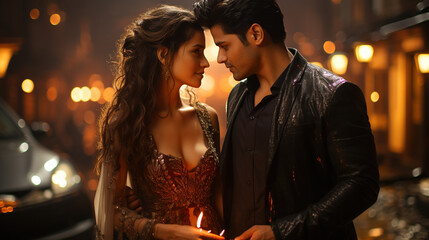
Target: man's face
pixel 240 59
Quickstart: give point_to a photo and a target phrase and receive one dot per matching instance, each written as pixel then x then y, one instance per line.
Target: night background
pixel 55 68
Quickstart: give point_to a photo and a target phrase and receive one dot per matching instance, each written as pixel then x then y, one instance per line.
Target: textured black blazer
pixel 321 168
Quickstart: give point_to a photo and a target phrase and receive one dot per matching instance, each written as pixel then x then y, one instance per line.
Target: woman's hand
pixel 174 231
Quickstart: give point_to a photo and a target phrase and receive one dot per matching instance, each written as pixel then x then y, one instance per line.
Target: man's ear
pixel 161 52
pixel 255 34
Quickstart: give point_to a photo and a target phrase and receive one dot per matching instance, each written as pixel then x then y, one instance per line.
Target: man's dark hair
pixel 236 16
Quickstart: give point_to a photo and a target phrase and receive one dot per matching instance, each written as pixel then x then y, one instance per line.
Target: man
pixel 298 160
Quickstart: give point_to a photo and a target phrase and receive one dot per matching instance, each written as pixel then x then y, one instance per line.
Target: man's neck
pixel 274 61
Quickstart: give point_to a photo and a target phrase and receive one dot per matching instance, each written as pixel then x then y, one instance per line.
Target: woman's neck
pixel 168 99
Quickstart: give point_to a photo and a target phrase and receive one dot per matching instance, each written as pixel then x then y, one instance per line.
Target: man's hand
pixel 133 202
pixel 258 232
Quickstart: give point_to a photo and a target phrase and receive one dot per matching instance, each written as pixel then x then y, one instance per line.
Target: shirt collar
pixel 253 82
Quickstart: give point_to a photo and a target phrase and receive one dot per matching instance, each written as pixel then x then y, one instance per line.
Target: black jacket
pixel 321 168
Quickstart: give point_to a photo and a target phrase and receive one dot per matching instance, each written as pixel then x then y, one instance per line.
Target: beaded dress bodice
pixel 169 190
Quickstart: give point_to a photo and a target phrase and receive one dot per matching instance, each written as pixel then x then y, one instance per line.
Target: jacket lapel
pixel 288 93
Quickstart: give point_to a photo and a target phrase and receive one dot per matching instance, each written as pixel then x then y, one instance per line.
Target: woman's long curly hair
pixel 125 123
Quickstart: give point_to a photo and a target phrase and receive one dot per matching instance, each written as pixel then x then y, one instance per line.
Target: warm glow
pixel 364 53
pixel 108 94
pixel 60 178
pixel 200 218
pixel 329 47
pixel 95 94
pixel 76 94
pixel 34 13
pixel 55 19
pixel 336 1
pixel 86 94
pixel 5 55
pixel 376 232
pixel 221 233
pixel 211 53
pixel 207 86
pixel 397 97
pixel 27 86
pixel 51 94
pixel 317 64
pixel 6 52
pixel 375 97
pixel 339 63
pixel 423 62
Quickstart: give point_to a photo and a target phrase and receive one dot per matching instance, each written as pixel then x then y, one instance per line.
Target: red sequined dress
pixel 170 190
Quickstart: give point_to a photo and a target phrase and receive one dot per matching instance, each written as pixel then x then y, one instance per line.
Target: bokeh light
pixel 34 13
pixel 51 94
pixel 86 94
pixel 95 94
pixel 108 94
pixel 375 96
pixel 27 86
pixel 339 63
pixel 55 19
pixel 76 94
pixel 329 47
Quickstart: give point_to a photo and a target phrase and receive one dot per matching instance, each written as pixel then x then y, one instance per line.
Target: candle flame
pixel 200 217
pixel 221 233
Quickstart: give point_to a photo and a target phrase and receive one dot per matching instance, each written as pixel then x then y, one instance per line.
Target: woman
pixel 167 148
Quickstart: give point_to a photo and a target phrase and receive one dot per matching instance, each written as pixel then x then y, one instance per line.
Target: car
pixel 41 193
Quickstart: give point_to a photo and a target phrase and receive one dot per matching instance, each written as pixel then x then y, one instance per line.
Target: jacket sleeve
pixel 351 151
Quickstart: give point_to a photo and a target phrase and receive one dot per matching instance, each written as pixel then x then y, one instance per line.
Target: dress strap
pixel 207 126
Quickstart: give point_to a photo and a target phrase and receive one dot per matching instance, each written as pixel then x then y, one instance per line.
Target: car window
pixel 8 127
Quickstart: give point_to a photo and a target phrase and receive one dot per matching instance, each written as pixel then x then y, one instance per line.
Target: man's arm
pixel 351 150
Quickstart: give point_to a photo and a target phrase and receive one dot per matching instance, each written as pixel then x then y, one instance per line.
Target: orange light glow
pixel 375 232
pixel 221 233
pixel 51 94
pixel 108 94
pixel 200 218
pixel 27 86
pixel 86 94
pixel 207 86
pixel 364 53
pixel 92 184
pixel 95 94
pixel 329 47
pixel 6 52
pixel 375 97
pixel 4 210
pixel 339 63
pixel 76 94
pixel 1 203
pixel 423 62
pixel 55 19
pixel 34 13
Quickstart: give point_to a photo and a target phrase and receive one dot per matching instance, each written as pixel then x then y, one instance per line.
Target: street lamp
pixel 423 62
pixel 338 62
pixel 364 52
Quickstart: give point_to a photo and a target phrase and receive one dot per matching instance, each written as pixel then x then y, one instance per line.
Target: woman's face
pixel 189 61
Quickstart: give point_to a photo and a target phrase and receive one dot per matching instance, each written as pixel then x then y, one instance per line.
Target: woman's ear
pixel 161 52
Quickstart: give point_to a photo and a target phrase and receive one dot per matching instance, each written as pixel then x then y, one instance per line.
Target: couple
pixel 298 160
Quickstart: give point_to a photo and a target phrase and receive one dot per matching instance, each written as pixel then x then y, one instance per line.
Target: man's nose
pixel 221 58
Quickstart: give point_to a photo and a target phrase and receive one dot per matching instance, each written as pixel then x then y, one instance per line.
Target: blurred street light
pixel 27 85
pixel 423 62
pixel 339 63
pixel 364 52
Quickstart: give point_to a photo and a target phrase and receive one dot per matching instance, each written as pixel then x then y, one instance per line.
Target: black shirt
pixel 250 135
